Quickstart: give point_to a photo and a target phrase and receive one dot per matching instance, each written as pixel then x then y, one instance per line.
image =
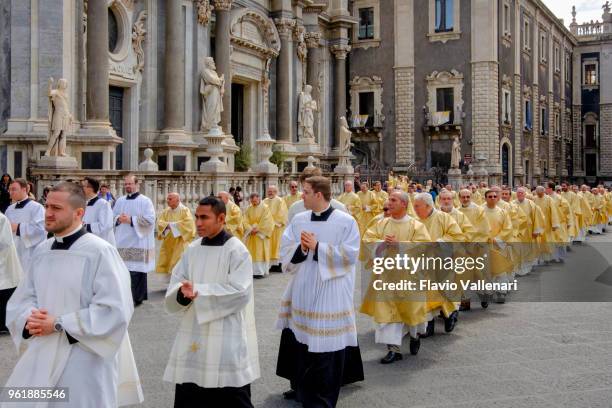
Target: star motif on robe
pixel 194 347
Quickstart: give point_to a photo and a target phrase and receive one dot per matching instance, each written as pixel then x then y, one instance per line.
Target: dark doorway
pixel 505 164
pixel 115 112
pixel 591 164
pixel 238 113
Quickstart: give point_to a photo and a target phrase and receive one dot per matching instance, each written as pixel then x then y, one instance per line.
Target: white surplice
pixel 216 343
pixel 299 207
pixel 10 267
pixel 89 288
pixel 99 219
pixel 318 303
pixel 136 241
pixel 31 220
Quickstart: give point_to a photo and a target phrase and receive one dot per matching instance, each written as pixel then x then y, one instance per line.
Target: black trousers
pixel 191 395
pixel 317 377
pixel 139 286
pixel 5 295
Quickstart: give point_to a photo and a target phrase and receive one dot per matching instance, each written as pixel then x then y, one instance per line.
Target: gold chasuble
pixel 574 203
pixel 479 221
pixel 551 222
pixel 291 199
pixel 565 218
pixel 442 228
pixel 233 220
pixel 279 211
pixel 369 207
pixel 500 234
pixel 352 203
pixel 535 226
pixel 176 228
pixel 258 229
pixel 381 197
pixel 410 312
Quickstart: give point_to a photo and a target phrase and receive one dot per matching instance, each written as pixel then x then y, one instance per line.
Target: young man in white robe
pixel 318 348
pixel 214 358
pixel 299 206
pixel 10 269
pixel 134 219
pixel 69 315
pixel 98 218
pixel 27 219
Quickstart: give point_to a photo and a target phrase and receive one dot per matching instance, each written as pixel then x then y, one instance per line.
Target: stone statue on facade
pixel 307 107
pixel 212 89
pixel 456 153
pixel 60 119
pixel 344 148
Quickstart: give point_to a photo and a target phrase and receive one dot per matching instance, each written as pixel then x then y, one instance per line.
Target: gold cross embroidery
pixel 194 347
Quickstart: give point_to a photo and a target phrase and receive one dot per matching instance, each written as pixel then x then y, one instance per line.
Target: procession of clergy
pixel 72 272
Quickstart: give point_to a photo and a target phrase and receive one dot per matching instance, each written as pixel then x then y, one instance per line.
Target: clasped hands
pixel 308 241
pixel 40 323
pixel 124 219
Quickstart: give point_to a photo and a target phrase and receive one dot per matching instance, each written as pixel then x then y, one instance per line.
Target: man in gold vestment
pixel 176 230
pixel 258 229
pixel 279 211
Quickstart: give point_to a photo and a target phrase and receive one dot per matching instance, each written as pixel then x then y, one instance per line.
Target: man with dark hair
pixel 212 288
pixel 27 219
pixel 98 218
pixel 319 354
pixel 134 219
pixel 70 314
pixel 299 207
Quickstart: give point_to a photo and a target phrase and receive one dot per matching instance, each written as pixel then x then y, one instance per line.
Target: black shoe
pixel 431 329
pixel 275 268
pixel 450 322
pixel 391 357
pixel 484 305
pixel 4 331
pixel 415 345
pixel 136 304
pixel 501 298
pixel 290 395
pixel 465 306
pixel 258 276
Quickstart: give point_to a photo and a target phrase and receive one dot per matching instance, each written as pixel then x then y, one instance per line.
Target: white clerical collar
pixel 405 218
pixel 318 214
pixel 61 239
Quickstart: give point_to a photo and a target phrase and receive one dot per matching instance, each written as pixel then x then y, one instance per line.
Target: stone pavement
pixel 531 355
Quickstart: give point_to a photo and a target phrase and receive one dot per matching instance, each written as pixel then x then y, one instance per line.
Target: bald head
pixel 173 199
pixel 224 196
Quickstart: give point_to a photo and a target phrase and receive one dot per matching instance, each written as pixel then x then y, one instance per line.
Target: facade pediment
pixel 255 31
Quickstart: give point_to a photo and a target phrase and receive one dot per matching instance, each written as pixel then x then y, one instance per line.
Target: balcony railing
pixel 588 29
pixel 366 122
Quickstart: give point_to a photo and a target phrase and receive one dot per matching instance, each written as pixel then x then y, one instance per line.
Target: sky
pixel 586 10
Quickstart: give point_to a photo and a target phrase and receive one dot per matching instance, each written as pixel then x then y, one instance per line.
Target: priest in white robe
pixel 318 349
pixel 134 219
pixel 214 358
pixel 10 269
pixel 299 206
pixel 98 218
pixel 27 219
pixel 69 316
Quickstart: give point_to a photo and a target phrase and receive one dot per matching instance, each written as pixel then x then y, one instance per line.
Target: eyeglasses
pixel 385 209
pixel 293 186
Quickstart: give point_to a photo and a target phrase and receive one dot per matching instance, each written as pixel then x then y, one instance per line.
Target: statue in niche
pixel 60 119
pixel 307 107
pixel 212 89
pixel 456 153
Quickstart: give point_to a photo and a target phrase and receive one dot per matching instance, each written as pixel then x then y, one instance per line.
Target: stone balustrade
pixel 192 186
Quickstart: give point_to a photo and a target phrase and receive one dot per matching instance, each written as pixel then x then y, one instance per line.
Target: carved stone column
pixel 314 58
pixel 222 58
pixel 174 70
pixel 340 51
pixel 97 62
pixel 283 81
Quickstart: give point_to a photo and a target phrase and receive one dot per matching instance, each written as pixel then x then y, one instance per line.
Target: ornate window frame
pixel 506 108
pixel 585 62
pixel 543 46
pixel 370 42
pixel 445 36
pixel 507 23
pixel 124 25
pixel 526 32
pixel 445 79
pixel 590 119
pixel 527 98
pixel 372 84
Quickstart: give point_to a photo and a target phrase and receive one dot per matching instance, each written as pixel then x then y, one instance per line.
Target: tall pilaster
pixel 284 128
pixel 519 171
pixel 174 71
pixel 222 58
pixel 535 96
pixel 97 64
pixel 340 51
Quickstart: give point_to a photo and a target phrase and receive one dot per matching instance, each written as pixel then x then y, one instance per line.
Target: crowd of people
pixel 76 263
